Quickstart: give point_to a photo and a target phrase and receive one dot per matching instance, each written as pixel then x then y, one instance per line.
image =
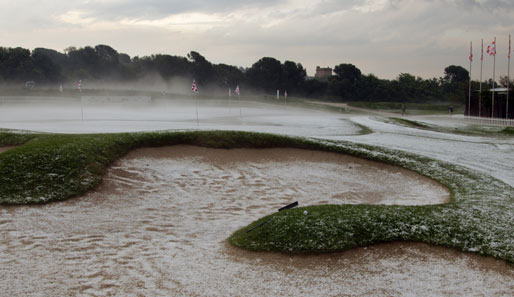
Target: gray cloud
pixel 385 37
pixel 162 8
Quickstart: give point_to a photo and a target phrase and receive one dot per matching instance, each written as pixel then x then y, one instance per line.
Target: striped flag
pixel 491 49
pixel 237 90
pixel 193 87
pixel 471 51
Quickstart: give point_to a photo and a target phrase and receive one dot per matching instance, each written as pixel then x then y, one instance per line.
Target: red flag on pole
pixel 491 49
pixel 471 51
pixel 193 87
pixel 237 90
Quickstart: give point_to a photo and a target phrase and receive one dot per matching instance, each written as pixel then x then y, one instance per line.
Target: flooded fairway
pixel 157 227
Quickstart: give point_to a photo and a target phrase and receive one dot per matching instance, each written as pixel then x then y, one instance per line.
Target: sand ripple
pixel 157 227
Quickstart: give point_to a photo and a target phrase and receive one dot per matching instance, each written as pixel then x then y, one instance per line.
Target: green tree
pixel 455 83
pixel 293 77
pixel 344 83
pixel 265 74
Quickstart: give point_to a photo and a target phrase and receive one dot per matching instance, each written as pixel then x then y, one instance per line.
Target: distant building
pixel 322 73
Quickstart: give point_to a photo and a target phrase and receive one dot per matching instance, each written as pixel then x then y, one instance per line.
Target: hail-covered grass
pixel 470 129
pixel 479 217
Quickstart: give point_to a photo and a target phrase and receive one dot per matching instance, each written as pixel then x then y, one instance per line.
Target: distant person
pixel 450 109
pixel 403 109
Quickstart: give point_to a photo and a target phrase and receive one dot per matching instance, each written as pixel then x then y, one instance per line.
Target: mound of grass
pixel 8 138
pixel 410 123
pixel 479 218
pixel 508 131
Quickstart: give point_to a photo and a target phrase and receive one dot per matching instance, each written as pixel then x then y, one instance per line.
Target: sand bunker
pixel 281 176
pixel 157 227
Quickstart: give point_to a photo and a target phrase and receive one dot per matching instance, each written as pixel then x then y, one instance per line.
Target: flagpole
pixel 195 90
pixel 240 108
pixel 494 71
pixel 229 99
pixel 508 85
pixel 481 63
pixel 197 121
pixel 470 60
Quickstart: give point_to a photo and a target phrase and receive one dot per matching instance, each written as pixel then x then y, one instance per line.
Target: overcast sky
pixel 383 37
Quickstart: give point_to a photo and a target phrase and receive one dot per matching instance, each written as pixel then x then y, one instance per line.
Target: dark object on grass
pixel 294 204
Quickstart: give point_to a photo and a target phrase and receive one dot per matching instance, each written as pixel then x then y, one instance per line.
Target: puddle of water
pixel 157 227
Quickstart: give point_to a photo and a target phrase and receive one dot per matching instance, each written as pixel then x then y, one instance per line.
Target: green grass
pixel 479 218
pixel 508 131
pixel 9 138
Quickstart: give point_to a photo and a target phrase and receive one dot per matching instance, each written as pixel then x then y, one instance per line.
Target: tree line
pixel 102 62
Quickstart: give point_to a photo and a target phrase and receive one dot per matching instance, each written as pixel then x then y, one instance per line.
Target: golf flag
pixel 471 51
pixel 285 94
pixel 491 49
pixel 237 90
pixel 79 86
pixel 193 87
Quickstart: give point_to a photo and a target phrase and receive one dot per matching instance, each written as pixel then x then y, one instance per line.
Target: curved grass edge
pixel 479 218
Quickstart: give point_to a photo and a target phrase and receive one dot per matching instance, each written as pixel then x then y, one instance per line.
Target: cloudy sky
pixel 383 37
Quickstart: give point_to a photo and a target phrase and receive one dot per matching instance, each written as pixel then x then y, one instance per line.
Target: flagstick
pixel 469 93
pixel 494 71
pixel 481 63
pixel 240 108
pixel 197 121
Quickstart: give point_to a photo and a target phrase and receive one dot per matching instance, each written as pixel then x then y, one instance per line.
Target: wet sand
pixel 5 148
pixel 157 227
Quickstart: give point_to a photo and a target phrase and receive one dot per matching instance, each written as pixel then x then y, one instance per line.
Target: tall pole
pixel 494 71
pixel 470 60
pixel 481 62
pixel 508 85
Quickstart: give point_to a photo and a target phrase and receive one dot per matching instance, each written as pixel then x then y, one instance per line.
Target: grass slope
pixel 479 218
pixel 469 130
